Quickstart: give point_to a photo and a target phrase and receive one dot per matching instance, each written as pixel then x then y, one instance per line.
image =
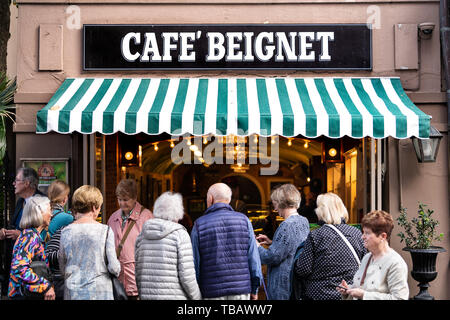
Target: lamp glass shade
pixel 427 149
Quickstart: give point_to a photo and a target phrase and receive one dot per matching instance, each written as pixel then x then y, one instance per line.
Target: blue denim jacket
pixel 279 256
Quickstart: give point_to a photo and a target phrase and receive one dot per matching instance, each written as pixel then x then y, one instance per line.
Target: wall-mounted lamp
pixel 427 149
pixel 332 150
pixel 129 156
pixel 129 152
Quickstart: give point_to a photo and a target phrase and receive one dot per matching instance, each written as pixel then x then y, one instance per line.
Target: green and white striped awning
pixel 333 107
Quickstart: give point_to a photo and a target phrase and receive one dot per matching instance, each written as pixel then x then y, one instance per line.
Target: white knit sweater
pixel 386 278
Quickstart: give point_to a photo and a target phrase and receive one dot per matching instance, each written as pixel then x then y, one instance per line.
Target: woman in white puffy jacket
pixel 163 253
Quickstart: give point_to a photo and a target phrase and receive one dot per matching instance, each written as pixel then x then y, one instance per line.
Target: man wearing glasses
pixel 25 186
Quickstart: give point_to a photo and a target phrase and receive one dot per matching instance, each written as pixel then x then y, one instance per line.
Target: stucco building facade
pixel 50 50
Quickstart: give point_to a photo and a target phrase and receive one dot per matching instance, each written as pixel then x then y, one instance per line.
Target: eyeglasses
pixel 18 180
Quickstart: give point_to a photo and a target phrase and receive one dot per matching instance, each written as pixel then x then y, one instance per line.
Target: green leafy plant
pixel 7 90
pixel 420 232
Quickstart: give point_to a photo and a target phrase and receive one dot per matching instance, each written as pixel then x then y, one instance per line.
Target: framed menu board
pixel 48 170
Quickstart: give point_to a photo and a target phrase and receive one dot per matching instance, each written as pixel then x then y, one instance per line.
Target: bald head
pixel 218 192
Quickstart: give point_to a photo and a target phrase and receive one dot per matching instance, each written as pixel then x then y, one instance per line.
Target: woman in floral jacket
pixel 29 246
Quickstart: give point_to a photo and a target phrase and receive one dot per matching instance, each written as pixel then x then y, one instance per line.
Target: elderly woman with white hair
pixel 163 254
pixel 23 281
pixel 331 253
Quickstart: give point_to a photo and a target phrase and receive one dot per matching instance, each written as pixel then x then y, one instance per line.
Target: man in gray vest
pixel 226 256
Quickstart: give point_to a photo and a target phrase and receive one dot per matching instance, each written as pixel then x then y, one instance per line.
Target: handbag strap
pixel 124 238
pixel 119 248
pixel 346 242
pixel 106 240
pixel 363 278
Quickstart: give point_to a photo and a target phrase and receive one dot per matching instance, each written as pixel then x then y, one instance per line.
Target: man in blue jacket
pixel 226 256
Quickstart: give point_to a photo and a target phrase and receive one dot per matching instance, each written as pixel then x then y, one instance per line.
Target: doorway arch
pixel 250 185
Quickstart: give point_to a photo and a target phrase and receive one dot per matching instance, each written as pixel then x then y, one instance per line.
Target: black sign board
pixel 213 47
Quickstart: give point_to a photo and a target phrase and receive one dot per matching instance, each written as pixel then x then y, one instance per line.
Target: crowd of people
pixel 156 258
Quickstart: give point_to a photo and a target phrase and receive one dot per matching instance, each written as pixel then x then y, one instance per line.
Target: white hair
pixel 220 192
pixel 169 206
pixel 32 216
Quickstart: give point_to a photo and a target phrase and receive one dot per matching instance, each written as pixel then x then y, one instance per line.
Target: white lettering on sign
pixel 151 51
pixel 216 50
pixel 126 53
pixel 230 47
pixel 324 38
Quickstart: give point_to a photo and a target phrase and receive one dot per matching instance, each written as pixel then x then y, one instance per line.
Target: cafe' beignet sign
pixel 202 47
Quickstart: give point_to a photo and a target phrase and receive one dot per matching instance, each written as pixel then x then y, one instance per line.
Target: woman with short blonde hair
pixel 87 198
pixel 83 246
pixel 331 253
pixel 330 209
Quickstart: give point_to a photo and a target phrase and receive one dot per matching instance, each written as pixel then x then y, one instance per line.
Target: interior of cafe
pixel 190 164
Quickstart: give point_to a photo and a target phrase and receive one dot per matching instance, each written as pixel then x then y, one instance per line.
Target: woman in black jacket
pixel 327 258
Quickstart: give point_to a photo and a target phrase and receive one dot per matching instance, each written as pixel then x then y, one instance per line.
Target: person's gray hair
pixel 31 176
pixel 169 206
pixel 286 196
pixel 32 216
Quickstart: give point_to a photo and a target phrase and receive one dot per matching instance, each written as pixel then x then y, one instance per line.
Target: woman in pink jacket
pixel 127 223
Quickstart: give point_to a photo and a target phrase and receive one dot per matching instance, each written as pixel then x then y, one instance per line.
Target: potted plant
pixel 418 235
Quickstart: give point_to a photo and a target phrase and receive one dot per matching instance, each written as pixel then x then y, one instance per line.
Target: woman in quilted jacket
pixel 163 253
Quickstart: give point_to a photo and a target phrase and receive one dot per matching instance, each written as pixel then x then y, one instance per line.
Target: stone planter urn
pixel 424 269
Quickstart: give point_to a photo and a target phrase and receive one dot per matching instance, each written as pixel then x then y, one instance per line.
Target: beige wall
pixel 11 58
pixel 425 182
